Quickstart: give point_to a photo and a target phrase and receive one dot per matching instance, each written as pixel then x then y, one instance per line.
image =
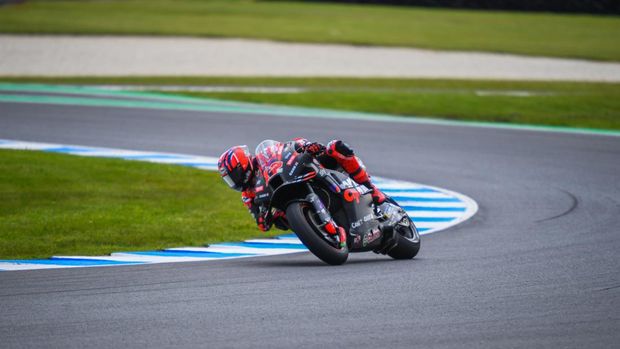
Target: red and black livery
pixel 331 213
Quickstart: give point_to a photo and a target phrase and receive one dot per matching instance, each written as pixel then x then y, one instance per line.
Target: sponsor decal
pixel 290 161
pixel 358 223
pixel 347 183
pixel 351 194
pixel 357 241
pixel 273 168
pixel 371 236
pixel 350 184
pixel 290 173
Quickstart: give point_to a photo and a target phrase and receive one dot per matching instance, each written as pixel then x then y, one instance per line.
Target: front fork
pixel 326 219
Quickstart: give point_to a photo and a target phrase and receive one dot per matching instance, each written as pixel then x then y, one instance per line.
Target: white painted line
pixel 239 249
pixel 407 194
pixel 461 204
pixel 430 225
pixel 127 257
pixel 30 266
pixel 274 241
pixel 159 157
pixel 19 145
pixel 290 239
pixel 111 258
pixel 433 214
pixel 397 185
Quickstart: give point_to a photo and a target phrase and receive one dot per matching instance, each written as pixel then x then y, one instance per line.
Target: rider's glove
pixel 263 220
pixel 314 148
pixel 262 224
pixel 279 220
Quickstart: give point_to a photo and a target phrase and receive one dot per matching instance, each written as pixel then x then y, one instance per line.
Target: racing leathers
pixel 335 154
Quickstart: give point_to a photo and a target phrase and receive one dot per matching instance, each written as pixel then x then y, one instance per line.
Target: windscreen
pixel 267 152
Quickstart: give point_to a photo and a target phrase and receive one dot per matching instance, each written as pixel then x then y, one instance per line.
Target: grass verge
pixel 55 204
pixel 569 104
pixel 560 35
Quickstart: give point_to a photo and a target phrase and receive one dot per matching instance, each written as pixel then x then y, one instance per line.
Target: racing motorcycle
pixel 313 195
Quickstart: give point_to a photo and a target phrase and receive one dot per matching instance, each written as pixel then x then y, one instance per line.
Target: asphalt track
pixel 538 266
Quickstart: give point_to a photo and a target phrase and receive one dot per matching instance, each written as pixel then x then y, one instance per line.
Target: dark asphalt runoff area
pixel 538 266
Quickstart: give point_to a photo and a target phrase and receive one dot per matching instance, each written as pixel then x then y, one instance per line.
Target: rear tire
pixel 298 214
pixel 406 248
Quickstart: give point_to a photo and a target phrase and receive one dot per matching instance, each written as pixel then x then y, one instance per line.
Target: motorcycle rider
pixel 241 171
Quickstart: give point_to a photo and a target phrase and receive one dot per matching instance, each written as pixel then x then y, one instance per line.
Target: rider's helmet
pixel 235 166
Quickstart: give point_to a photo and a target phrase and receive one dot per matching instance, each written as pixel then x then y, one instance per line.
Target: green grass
pixel 600 111
pixel 571 104
pixel 55 204
pixel 561 35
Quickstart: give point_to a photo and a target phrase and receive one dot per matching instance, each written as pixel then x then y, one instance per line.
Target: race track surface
pixel 538 266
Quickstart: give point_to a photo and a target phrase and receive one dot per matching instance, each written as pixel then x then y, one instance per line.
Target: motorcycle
pixel 313 196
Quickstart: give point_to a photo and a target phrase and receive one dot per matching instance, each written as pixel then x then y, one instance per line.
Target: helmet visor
pixel 229 181
pixel 236 179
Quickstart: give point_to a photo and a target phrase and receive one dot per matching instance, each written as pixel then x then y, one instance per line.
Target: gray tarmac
pixel 538 266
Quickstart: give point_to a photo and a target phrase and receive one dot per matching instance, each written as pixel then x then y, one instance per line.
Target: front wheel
pixel 301 219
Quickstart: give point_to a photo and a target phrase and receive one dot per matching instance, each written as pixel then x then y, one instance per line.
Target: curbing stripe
pixel 431 214
pixel 433 209
pixel 433 219
pixel 422 199
pixel 192 254
pixel 241 249
pixel 80 262
pixel 267 245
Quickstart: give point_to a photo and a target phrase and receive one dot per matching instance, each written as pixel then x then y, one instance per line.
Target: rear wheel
pixel 301 219
pixel 408 240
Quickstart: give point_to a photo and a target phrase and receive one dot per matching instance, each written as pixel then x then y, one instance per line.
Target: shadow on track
pixel 319 263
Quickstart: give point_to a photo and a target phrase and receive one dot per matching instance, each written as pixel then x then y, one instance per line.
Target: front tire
pixel 302 223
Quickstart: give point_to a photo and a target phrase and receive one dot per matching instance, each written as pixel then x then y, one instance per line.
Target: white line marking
pixel 275 241
pixel 428 204
pixel 28 266
pixel 433 214
pixel 131 257
pixel 238 249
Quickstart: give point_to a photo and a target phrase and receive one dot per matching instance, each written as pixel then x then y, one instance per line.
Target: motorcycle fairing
pixel 287 176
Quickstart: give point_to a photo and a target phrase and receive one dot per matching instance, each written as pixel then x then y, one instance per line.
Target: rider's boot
pixel 345 157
